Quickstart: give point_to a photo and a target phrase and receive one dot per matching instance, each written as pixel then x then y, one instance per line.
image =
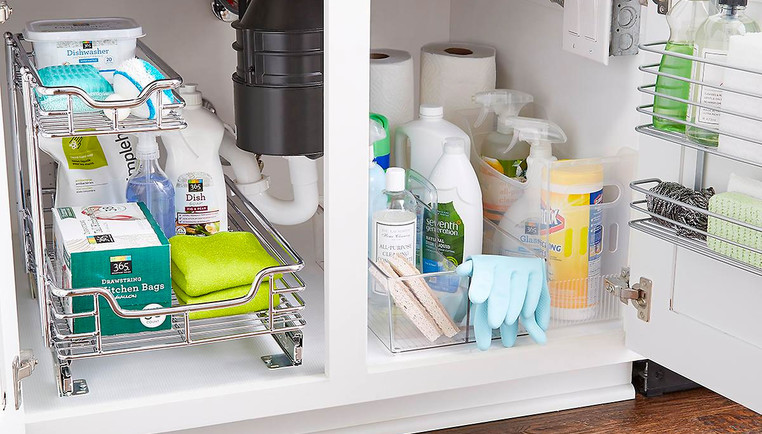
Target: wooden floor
pixel 693 411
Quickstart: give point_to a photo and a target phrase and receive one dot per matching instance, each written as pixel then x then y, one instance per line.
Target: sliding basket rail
pixel 664 228
pixel 652 69
pixel 282 319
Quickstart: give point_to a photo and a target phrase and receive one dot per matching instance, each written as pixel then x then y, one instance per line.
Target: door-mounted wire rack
pixel 711 243
pixel 283 321
pixel 706 242
pixel 681 139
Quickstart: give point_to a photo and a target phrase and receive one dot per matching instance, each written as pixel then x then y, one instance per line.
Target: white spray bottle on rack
pixel 523 219
pixel 194 168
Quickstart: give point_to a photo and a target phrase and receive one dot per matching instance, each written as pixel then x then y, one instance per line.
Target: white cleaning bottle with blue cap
pixel 523 219
pixel 151 186
pixel 193 166
pixel 376 180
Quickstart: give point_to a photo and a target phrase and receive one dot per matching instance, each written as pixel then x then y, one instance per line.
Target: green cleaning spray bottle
pixel 684 19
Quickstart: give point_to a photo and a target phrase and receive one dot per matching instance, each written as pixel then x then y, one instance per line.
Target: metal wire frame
pixel 652 227
pixel 681 139
pixel 281 319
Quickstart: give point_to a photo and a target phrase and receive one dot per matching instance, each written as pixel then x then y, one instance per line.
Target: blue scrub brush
pixel 86 77
pixel 130 78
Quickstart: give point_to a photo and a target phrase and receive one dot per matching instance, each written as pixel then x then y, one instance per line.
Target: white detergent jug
pixel 457 233
pixel 425 139
pixel 193 166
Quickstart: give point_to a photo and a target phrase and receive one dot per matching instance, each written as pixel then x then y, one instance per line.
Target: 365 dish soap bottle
pixel 502 156
pixel 523 219
pixel 151 186
pixel 459 229
pixel 394 230
pixel 684 19
pixel 193 166
pixel 712 40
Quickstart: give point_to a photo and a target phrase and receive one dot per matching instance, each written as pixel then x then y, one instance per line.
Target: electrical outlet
pixel 587 28
pixel 625 27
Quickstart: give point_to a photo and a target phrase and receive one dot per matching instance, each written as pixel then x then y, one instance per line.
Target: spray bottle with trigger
pixel 503 158
pixel 523 219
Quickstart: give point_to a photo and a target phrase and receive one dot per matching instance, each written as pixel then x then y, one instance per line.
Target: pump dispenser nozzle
pixel 503 102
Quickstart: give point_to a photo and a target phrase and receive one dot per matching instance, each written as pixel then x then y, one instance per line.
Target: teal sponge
pixel 86 77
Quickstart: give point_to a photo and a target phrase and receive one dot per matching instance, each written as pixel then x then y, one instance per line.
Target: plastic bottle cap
pixel 431 111
pixel 454 145
pixel 192 97
pixel 395 179
pixel 147 148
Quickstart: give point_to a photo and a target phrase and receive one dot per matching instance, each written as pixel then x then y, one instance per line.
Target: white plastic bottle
pixel 193 166
pixel 426 137
pixel 458 234
pixel 376 180
pixel 394 230
pixel 523 219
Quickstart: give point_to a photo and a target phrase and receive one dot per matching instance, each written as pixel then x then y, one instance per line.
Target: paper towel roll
pixel 453 72
pixel 391 87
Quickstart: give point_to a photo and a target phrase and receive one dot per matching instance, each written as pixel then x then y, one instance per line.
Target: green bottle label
pixel 446 237
pixel 509 168
pixel 84 153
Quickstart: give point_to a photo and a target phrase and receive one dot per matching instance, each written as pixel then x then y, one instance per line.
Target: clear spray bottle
pixel 502 166
pixel 150 185
pixel 523 219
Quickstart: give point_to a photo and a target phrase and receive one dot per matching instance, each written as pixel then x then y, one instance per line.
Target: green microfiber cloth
pixel 743 208
pixel 202 265
pixel 259 302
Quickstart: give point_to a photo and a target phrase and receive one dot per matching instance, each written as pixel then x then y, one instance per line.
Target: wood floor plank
pixel 693 411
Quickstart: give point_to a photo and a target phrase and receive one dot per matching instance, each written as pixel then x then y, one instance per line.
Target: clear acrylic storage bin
pixel 585 214
pixel 398 332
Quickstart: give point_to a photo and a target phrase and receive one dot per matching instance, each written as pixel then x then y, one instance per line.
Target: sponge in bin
pixel 86 77
pixel 202 265
pixel 739 207
pixel 261 301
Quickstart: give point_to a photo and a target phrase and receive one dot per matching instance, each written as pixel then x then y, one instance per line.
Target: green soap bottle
pixel 712 40
pixel 684 19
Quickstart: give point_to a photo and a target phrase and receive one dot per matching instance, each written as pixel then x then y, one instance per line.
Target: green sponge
pixel 261 301
pixel 202 265
pixel 739 207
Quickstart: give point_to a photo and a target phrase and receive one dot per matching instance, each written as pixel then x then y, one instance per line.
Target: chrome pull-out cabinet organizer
pixel 283 322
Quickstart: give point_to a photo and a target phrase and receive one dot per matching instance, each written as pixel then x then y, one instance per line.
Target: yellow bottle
pixel 572 219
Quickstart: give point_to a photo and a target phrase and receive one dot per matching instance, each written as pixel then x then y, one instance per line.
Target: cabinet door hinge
pixel 23 366
pixel 639 293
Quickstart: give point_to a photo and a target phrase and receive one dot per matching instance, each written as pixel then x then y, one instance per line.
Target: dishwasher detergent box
pixel 101 42
pixel 121 248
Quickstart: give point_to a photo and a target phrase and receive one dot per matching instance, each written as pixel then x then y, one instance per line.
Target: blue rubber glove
pixel 503 291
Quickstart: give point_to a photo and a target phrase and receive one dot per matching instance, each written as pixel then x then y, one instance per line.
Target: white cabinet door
pixel 11 419
pixel 705 315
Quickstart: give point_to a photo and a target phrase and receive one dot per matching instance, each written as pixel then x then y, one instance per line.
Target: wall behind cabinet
pixel 593 103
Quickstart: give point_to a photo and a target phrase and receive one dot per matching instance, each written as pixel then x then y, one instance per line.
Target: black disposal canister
pixel 278 83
